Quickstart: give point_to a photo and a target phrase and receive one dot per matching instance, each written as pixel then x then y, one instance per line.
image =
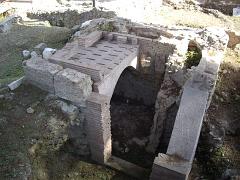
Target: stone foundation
pixel 72 85
pixel 41 73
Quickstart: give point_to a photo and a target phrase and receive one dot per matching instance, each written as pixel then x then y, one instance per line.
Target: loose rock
pixel 48 52
pixel 26 54
pixel 30 110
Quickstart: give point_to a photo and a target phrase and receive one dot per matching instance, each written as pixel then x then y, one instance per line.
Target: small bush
pixel 106 27
pixel 193 58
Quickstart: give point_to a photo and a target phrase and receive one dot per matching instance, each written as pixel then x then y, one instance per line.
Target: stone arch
pixel 107 86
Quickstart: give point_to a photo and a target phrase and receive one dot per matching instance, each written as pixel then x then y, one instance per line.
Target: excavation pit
pixel 142 93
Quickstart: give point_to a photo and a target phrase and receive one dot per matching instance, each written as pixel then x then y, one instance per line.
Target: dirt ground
pixel 32 145
pixel 131 120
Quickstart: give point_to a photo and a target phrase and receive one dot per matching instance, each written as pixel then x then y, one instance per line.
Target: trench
pixel 132 111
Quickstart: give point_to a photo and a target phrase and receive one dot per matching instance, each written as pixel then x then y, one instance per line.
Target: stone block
pixel 90 39
pixel 110 37
pixel 134 41
pixel 41 73
pixel 122 39
pixel 7 23
pixel 26 54
pixel 167 167
pixel 48 52
pixel 15 84
pixel 188 123
pixel 72 85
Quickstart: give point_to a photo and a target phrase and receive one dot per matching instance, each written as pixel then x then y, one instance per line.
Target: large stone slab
pixel 41 73
pixel 98 61
pixel 188 123
pixel 72 85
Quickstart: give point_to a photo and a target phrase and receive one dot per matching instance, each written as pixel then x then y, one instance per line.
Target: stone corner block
pixel 72 85
pixel 40 73
pixel 170 167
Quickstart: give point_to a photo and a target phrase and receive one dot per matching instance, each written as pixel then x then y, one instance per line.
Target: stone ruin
pixel 90 70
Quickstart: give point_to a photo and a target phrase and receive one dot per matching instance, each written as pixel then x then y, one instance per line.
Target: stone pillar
pixel 99 127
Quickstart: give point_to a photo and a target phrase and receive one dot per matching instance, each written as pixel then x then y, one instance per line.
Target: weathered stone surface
pixel 122 39
pixel 188 123
pixel 16 84
pixel 72 85
pixel 98 127
pixel 167 96
pixel 100 61
pixel 26 54
pixel 40 73
pixel 77 34
pixel 168 167
pixel 34 54
pixel 90 39
pixel 6 24
pixel 48 52
pixel 86 23
pixel 75 28
pixel 39 48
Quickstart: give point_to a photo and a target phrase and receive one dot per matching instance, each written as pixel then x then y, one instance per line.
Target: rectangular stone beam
pixel 98 127
pixel 188 123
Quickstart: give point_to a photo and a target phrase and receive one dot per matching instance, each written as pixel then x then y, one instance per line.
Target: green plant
pixel 193 58
pixel 106 27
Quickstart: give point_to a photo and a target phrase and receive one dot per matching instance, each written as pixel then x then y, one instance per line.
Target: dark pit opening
pixel 132 111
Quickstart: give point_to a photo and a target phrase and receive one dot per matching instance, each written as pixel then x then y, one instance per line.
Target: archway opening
pixel 132 111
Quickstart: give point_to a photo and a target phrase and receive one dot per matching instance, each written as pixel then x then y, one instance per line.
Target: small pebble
pixel 225 71
pixel 30 110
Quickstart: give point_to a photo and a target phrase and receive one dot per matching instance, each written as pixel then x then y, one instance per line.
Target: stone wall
pixel 195 99
pixel 70 18
pixel 68 84
pixel 45 73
